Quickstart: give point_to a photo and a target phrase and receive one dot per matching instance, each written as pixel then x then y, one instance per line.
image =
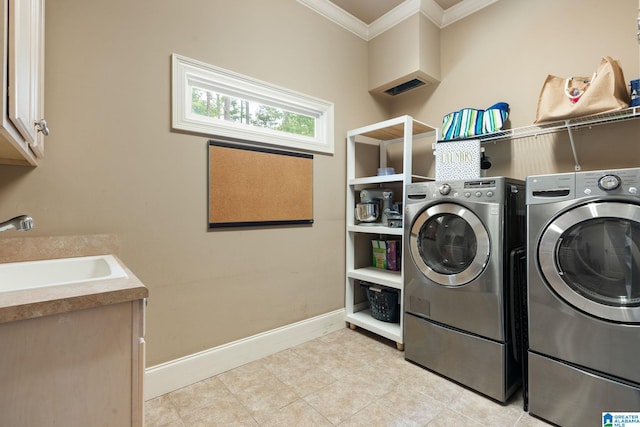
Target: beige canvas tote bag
pixel 567 98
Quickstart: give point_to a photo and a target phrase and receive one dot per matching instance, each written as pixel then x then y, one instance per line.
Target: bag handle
pixel 573 93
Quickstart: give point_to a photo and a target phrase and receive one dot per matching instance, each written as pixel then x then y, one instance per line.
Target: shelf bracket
pixel 573 146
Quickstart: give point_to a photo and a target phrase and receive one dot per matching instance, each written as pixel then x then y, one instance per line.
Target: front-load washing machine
pixel 458 238
pixel 583 242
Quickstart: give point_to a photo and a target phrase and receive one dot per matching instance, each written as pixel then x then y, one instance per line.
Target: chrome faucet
pixel 20 223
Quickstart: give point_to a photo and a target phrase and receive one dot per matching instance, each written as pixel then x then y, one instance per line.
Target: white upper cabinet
pixel 23 125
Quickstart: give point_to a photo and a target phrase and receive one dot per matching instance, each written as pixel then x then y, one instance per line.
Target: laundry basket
pixel 383 302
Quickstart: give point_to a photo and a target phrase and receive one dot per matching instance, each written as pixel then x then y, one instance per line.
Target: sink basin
pixel 61 271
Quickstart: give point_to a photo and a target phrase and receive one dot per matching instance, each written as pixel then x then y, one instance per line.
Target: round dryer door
pixel 449 244
pixel 590 256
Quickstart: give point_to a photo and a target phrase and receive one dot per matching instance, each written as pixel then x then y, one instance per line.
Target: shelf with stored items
pixel 371 149
pixel 567 125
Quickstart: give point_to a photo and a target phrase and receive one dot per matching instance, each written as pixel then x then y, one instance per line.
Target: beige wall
pixel 114 166
pixel 408 50
pixel 505 51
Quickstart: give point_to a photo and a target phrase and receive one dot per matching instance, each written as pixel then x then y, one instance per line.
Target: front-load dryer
pixel 583 243
pixel 458 238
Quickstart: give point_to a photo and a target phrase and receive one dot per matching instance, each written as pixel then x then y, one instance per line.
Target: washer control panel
pixel 445 189
pixel 618 182
pixel 480 190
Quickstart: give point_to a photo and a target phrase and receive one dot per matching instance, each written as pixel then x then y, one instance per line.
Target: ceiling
pixel 368 11
pixel 369 18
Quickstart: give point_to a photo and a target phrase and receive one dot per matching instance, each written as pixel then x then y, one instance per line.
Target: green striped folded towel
pixel 470 122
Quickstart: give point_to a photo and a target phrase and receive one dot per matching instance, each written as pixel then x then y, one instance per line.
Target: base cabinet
pixel 82 368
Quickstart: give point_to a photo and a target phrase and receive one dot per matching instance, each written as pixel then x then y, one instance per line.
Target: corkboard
pixel 251 186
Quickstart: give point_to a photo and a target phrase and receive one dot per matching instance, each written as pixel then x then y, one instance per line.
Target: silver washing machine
pixel 458 237
pixel 584 295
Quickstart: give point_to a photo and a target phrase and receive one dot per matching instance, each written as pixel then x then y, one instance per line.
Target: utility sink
pixel 16 276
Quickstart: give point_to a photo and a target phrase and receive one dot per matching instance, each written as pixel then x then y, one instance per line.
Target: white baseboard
pixel 178 373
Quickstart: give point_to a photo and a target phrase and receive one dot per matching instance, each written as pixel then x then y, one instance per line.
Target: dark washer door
pixel 449 244
pixel 590 256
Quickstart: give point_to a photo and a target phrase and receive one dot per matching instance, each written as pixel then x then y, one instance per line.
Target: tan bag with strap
pixel 562 98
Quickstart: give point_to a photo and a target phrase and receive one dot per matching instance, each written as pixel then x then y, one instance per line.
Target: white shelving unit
pixel 361 173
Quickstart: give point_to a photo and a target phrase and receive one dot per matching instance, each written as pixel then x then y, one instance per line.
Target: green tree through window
pixel 223 107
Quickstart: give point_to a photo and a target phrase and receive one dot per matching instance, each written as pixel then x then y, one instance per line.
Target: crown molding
pixel 338 15
pixel 393 17
pixel 429 8
pixel 433 11
pixel 462 10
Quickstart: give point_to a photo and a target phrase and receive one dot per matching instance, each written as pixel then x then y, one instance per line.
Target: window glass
pixel 600 260
pixel 238 110
pixel 447 244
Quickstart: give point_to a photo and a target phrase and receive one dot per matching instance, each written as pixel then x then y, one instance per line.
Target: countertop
pixel 38 302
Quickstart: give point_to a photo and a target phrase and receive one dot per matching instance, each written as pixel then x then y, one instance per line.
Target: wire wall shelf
pixel 561 126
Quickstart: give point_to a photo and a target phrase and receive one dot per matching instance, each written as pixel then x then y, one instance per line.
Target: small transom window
pixel 218 102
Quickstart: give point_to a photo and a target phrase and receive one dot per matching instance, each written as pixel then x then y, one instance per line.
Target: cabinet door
pixel 26 31
pixel 70 369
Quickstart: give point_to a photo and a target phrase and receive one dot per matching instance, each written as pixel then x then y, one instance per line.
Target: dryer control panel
pixel 543 189
pixel 615 182
pixel 553 188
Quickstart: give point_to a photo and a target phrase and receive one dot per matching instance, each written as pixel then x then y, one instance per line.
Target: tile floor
pixel 345 378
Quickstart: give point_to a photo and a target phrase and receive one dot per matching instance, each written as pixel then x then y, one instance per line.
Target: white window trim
pixel 188 72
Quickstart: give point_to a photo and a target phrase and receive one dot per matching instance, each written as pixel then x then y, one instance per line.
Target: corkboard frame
pixel 256 186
